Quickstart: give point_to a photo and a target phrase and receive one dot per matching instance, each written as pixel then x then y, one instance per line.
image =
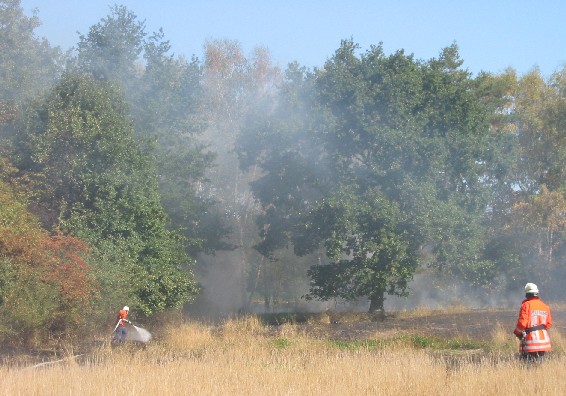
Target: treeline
pixel 126 169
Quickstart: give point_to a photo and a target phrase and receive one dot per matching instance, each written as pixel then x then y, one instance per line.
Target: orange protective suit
pixel 534 321
pixel 122 317
pixel 120 329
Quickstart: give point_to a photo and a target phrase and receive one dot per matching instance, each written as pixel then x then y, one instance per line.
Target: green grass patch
pixel 428 342
pixel 415 341
pixel 355 345
pixel 281 343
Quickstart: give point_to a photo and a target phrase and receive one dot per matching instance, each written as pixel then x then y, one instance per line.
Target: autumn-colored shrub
pixel 45 283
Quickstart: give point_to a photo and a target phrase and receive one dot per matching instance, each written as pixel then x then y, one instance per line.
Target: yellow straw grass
pixel 243 357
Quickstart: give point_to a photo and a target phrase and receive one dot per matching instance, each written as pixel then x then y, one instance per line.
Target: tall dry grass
pixel 424 311
pixel 243 357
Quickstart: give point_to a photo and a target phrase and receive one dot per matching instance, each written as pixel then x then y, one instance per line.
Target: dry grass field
pixel 410 353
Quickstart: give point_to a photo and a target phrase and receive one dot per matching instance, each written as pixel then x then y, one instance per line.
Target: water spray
pixel 136 333
pixel 139 334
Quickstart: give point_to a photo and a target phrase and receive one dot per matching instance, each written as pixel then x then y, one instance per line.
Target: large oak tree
pixel 382 165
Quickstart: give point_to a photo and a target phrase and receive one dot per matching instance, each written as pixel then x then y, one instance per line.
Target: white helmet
pixel 531 288
pixel 126 308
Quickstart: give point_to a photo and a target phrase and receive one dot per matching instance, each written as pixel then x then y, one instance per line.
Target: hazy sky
pixel 492 35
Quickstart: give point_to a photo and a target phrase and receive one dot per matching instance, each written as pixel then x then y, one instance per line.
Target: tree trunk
pixel 376 304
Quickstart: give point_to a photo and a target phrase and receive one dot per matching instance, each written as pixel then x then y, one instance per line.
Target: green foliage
pixel 112 47
pixel 281 343
pixel 47 289
pixel 28 305
pixel 98 184
pixel 364 237
pixel 169 111
pixel 356 345
pixel 383 161
pixel 29 65
pixel 165 97
pixel 538 116
pixel 415 341
pixel 295 169
pixel 527 240
pixel 377 164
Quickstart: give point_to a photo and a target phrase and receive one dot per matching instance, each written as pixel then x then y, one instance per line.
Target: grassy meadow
pixel 243 356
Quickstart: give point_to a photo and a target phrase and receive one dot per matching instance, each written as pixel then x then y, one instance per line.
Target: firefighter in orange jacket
pixel 121 320
pixel 532 326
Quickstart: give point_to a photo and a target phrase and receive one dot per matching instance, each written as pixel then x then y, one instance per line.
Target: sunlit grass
pixel 243 356
pixel 424 311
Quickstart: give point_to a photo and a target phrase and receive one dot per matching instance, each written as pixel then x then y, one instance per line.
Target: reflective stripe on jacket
pixel 534 312
pixel 122 317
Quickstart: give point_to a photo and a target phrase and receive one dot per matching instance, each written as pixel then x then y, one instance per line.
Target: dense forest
pixel 129 175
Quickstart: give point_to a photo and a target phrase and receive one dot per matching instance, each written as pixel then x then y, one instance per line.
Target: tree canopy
pixel 95 181
pixel 400 150
pixel 122 166
pixel 47 286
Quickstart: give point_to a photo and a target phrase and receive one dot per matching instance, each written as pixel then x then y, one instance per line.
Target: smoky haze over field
pixel 307 190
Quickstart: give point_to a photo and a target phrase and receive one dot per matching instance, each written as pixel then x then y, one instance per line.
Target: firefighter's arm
pixel 522 322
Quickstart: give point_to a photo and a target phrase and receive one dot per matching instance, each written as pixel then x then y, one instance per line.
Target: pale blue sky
pixel 492 35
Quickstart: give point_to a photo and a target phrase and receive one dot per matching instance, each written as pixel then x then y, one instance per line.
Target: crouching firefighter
pixel 120 331
pixel 532 326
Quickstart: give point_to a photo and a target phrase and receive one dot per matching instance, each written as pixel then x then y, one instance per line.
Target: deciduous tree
pixel 97 183
pixel 396 151
pixel 47 287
